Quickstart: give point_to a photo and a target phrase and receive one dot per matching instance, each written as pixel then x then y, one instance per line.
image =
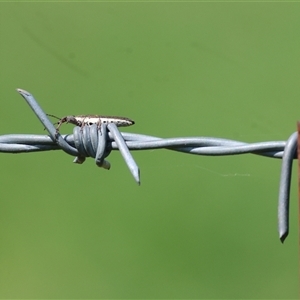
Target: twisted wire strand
pixel 89 141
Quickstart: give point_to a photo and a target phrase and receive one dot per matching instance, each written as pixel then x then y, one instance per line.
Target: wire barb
pixel 89 141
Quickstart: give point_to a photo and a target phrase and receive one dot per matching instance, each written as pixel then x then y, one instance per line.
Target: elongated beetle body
pixel 82 120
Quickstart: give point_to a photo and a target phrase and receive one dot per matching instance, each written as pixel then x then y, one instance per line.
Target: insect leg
pixel 99 124
pixel 58 125
pixel 82 124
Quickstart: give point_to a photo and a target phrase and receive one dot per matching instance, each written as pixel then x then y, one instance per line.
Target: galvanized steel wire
pixel 89 141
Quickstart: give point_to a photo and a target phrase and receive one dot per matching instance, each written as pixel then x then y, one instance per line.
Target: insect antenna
pixel 53 116
pixel 49 115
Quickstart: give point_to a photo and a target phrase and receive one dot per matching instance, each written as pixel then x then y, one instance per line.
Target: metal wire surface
pixel 89 141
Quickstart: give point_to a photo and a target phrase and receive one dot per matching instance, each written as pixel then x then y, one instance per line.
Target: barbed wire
pixel 92 141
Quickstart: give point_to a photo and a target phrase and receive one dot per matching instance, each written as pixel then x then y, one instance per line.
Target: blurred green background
pixel 197 227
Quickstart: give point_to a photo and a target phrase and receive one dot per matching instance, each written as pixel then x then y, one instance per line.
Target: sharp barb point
pixel 283 237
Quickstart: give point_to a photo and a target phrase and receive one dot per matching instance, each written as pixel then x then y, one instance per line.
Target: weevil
pixel 82 120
